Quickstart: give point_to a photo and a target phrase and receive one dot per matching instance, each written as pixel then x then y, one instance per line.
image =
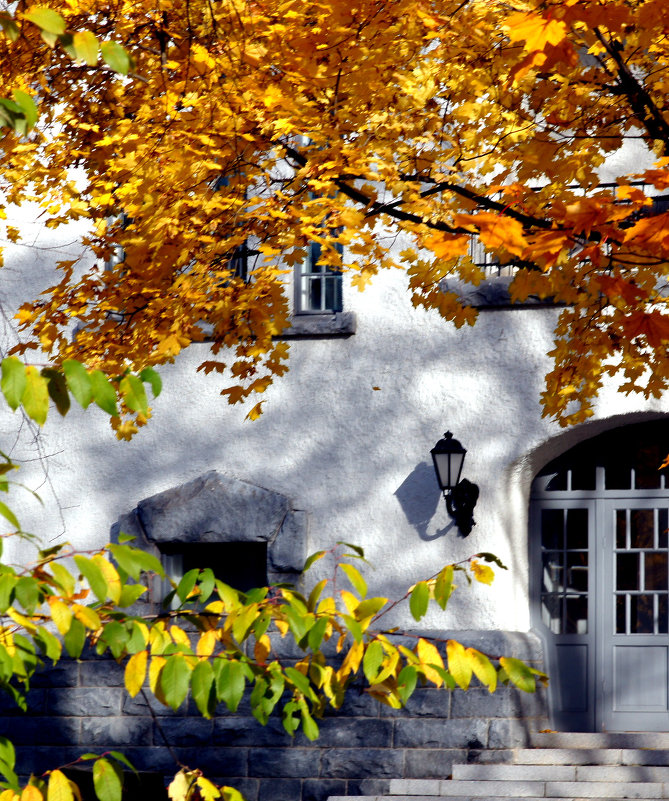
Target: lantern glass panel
pixel 449 467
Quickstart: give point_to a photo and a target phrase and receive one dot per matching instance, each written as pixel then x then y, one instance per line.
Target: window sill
pixel 320 326
pixel 492 293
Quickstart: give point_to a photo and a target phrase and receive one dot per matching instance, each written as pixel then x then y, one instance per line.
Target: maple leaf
pixel 535 30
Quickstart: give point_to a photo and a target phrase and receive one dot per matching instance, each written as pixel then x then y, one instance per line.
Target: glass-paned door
pixel 634 627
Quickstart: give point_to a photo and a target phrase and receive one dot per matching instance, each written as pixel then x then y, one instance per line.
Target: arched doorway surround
pixel 599 556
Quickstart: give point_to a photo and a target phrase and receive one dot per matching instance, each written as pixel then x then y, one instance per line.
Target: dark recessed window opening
pixel 242 565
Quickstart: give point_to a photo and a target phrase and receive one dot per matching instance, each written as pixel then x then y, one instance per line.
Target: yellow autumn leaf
pixel 482 572
pixel 135 672
pixel 430 658
pixel 61 614
pixel 459 666
pixel 59 787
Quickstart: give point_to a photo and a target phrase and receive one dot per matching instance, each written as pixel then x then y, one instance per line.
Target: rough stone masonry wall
pixel 82 706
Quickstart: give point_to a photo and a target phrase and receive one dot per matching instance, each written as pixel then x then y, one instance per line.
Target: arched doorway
pixel 599 520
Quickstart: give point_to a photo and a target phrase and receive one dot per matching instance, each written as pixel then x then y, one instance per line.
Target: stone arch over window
pixel 215 508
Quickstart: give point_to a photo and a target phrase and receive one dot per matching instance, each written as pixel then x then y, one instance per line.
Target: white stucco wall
pixel 356 458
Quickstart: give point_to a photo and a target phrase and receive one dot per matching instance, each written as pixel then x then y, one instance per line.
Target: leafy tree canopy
pixel 197 127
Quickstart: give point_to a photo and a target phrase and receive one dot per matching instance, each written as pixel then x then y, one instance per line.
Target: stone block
pixel 222 762
pixel 506 702
pixel 239 731
pixel 284 762
pixel 64 674
pixel 85 701
pixel 436 733
pixel 213 508
pixel 151 758
pixel 322 789
pixel 100 673
pixel 352 733
pixel 183 731
pixel 38 760
pixel 288 552
pixel 431 763
pixel 504 733
pixel 425 702
pixel 359 763
pixel 116 731
pixel 280 790
pixel 36 700
pixel 139 705
pixel 39 731
pixel 368 787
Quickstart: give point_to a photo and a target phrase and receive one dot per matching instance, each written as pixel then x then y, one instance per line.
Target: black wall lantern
pixel 461 496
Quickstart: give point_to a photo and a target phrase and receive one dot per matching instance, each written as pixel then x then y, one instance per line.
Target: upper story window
pixel 318 287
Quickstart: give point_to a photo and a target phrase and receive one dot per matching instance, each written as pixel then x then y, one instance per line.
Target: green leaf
pixel 93 575
pixel 36 395
pixel 134 561
pixel 443 586
pixel 359 551
pixel 490 557
pixel 116 636
pixel 49 644
pixel 134 394
pixel 75 638
pixel 174 680
pixel 230 684
pixel 313 558
pixel 316 633
pixel 151 377
pixel 202 683
pixel 78 381
pixel 130 593
pixel 353 575
pixel 206 584
pixel 7 513
pixel 46 18
pixel 406 682
pixel 309 725
pixel 8 581
pixel 107 780
pixel 519 673
pixel 124 759
pixel 420 597
pixel 369 607
pixel 13 382
pixel 103 392
pixel 64 578
pixel 116 57
pixel 7 752
pixel 57 389
pixel 187 583
pixel 67 43
pixel 371 661
pixel 27 105
pixel 27 593
pixel 86 47
pixel 10 27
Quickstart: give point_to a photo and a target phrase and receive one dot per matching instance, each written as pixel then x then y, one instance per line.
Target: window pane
pixel 641 528
pixel 559 482
pixel 655 577
pixel 553 572
pixel 550 612
pixel 641 614
pixel 646 467
pixel 577 572
pixel 627 571
pixel 552 528
pixel 621 528
pixel 577 528
pixel 621 614
pixel 576 621
pixel 583 477
pixel 662 615
pixel 662 528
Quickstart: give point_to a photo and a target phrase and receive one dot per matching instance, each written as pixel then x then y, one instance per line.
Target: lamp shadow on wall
pixel 419 496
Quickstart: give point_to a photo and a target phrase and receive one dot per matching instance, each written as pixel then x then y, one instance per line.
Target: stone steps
pixel 558 766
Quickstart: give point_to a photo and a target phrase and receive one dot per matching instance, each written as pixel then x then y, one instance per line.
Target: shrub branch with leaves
pixel 220 644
